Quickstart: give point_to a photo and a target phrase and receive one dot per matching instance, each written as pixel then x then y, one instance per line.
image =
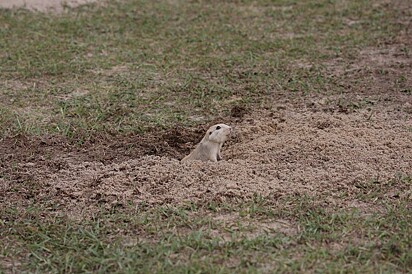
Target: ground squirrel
pixel 209 148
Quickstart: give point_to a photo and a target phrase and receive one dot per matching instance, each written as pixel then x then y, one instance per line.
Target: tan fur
pixel 209 148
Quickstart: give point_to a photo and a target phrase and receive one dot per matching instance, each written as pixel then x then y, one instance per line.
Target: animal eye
pixel 218 127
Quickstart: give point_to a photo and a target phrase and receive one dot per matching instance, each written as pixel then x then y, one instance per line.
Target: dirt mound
pixel 288 152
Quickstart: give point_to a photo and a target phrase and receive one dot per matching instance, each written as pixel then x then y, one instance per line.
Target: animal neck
pixel 207 140
pixel 211 145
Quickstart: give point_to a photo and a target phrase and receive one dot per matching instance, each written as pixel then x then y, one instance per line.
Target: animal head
pixel 218 133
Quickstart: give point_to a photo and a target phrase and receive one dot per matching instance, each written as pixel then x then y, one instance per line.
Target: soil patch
pixel 334 155
pixel 43 5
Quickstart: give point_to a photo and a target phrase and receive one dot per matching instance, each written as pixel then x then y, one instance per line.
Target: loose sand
pixel 285 152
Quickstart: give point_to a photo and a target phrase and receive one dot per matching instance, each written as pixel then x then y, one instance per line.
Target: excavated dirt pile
pixel 290 151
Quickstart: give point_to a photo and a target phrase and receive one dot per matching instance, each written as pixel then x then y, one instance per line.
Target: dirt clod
pixel 238 112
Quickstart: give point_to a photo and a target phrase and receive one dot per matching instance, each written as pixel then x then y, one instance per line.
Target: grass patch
pixel 223 239
pixel 126 66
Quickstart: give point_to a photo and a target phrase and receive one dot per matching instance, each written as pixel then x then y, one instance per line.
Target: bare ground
pixel 313 151
pixel 43 5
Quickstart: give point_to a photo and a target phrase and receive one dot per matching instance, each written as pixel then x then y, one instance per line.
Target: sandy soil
pixel 43 5
pixel 287 151
pixel 307 153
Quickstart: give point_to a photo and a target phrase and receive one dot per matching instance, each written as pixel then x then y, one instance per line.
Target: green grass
pixel 193 239
pixel 129 65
